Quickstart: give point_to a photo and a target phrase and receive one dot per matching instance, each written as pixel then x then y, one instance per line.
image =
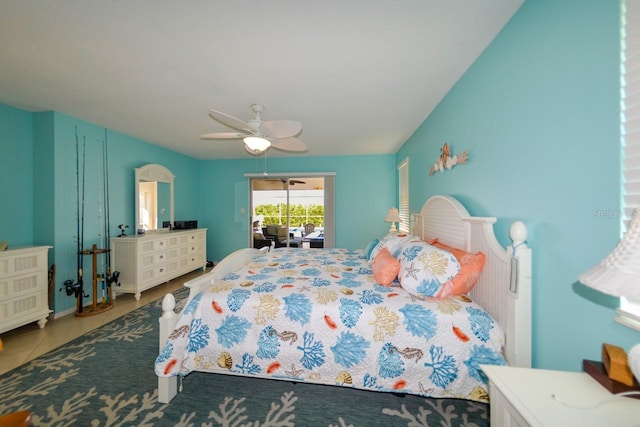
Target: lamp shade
pixel 392 215
pixel 256 143
pixel 619 273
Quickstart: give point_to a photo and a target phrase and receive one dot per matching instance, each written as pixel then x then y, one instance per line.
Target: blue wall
pixel 539 114
pixel 16 176
pixel 364 190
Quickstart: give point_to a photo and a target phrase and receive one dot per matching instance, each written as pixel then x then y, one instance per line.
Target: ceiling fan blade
pixel 223 135
pixel 280 129
pixel 289 144
pixel 231 121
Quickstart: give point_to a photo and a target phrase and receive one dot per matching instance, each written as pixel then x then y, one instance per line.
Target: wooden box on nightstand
pixel 598 373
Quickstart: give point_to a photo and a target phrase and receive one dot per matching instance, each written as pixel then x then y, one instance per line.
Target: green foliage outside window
pixel 299 214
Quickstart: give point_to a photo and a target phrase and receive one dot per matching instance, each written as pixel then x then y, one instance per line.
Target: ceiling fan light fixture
pixel 256 143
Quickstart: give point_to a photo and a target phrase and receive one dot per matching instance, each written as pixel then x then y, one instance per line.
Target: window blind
pixel 403 192
pixel 631 106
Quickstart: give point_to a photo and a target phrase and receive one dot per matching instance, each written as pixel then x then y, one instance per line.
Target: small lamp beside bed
pixel 393 216
pixel 619 275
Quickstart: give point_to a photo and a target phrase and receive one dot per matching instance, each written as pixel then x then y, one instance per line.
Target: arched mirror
pixel 154 197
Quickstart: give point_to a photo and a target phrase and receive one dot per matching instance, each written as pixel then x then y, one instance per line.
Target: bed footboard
pixel 168 386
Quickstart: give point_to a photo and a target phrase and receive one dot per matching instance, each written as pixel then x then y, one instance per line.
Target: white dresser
pixel 24 287
pixel 147 260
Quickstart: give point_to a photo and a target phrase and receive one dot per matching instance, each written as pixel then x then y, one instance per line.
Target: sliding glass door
pixel 292 211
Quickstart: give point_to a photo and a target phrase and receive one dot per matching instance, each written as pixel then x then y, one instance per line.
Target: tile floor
pixel 28 342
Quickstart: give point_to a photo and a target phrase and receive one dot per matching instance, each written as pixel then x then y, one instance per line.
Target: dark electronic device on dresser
pixel 181 225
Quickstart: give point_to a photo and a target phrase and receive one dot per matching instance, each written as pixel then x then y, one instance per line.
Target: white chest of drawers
pixel 23 287
pixel 148 260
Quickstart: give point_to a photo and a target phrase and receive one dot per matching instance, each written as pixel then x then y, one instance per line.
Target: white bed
pixel 503 289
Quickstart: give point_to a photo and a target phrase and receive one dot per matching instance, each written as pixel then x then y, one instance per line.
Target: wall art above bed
pixel 447 161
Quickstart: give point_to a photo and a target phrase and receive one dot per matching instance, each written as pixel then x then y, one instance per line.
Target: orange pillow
pixel 385 267
pixel 470 268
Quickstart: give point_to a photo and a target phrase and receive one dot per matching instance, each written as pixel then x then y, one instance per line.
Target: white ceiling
pixel 361 75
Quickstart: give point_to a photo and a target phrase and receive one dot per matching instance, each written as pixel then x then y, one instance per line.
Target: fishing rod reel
pixel 72 288
pixel 113 278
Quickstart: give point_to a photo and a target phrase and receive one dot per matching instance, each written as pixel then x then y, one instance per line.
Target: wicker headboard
pixel 504 287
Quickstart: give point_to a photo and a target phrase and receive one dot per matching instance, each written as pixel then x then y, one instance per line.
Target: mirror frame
pixel 148 173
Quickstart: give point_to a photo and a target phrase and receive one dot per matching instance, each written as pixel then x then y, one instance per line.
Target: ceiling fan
pixel 285 180
pixel 295 181
pixel 259 135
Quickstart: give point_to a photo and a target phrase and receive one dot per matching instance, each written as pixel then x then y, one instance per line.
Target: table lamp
pixel 619 275
pixel 392 216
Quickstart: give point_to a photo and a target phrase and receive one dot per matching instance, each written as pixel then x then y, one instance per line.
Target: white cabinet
pixel 23 287
pixel 147 260
pixel 537 397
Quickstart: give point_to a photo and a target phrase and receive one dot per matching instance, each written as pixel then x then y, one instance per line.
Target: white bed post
pixel 520 289
pixel 167 386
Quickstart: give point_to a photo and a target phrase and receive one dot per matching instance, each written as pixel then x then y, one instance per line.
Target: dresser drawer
pixel 196 237
pixel 23 263
pixel 24 305
pixel 160 257
pixel 153 245
pixel 195 259
pixel 196 247
pixel 153 274
pixel 11 287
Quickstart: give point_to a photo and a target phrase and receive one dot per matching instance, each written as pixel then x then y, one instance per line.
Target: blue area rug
pixel 106 378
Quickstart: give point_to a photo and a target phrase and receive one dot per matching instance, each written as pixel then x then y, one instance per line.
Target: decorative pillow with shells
pixel 425 268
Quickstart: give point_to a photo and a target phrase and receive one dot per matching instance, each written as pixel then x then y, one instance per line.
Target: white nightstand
pixel 525 397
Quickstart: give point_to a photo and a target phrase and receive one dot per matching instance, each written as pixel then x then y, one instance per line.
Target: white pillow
pixel 425 268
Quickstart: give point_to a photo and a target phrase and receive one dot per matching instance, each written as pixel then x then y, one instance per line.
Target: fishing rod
pixel 78 243
pixel 70 287
pixel 111 277
pixel 106 192
pixel 80 290
pixel 101 275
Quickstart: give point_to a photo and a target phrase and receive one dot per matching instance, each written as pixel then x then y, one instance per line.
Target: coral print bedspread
pixel 317 315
